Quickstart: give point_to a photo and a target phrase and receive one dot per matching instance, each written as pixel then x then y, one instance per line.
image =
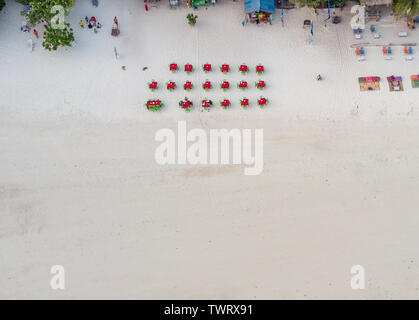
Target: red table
pixel 244 102
pixel 225 103
pixel 153 85
pixel 260 84
pixel 262 101
pixel 225 85
pixel 260 69
pixel 187 85
pixel 186 105
pixel 243 84
pixel 171 85
pixel 153 104
pixel 207 67
pixel 243 68
pixel 206 85
pixel 225 68
pixel 206 104
pixel 188 68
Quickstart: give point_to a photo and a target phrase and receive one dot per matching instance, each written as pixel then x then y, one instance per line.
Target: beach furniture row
pixel 224 68
pixel 395 83
pixel 207 85
pixel 186 104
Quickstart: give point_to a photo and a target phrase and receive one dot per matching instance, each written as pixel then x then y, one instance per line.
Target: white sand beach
pixel 79 185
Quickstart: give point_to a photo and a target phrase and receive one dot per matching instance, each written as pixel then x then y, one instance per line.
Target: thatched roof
pixel 370 3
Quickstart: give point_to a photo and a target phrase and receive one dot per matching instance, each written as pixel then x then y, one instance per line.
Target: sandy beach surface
pixel 79 185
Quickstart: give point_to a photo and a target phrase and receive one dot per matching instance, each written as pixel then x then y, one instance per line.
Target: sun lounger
pixel 415 81
pixel 377 36
pixel 395 83
pixel 409 58
pixel 361 58
pixel 403 34
pixel 408 50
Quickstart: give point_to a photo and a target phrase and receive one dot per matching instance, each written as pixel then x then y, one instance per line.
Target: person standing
pixel 115 20
pixel 81 23
pixel 116 53
pixel 145 5
pixel 35 33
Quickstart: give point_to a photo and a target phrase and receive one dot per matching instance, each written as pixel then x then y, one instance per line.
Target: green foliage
pixel 54 38
pixel 191 19
pixel 404 8
pixel 2 4
pixel 41 9
pixel 318 3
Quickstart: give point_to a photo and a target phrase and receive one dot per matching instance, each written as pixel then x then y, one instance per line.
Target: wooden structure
pixel 372 8
pixel 287 4
pixel 369 83
pixel 259 10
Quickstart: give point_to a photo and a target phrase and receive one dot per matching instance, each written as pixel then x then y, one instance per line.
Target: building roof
pixel 378 2
pixel 259 5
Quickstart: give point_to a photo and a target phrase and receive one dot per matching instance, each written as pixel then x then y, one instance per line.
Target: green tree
pixel 191 19
pixel 318 3
pixel 41 9
pixel 404 8
pixel 2 4
pixel 54 38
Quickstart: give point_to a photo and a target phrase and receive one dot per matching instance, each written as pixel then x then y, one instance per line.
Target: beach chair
pixel 360 52
pixel 408 51
pixel 402 34
pixel 358 33
pixel 174 3
pixel 387 52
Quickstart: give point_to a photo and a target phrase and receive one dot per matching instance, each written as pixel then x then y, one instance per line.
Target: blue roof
pixel 259 5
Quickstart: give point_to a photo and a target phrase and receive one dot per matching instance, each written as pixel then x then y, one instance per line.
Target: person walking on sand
pixel 81 23
pixel 115 20
pixel 116 53
pixel 36 33
pixel 145 5
pixel 86 19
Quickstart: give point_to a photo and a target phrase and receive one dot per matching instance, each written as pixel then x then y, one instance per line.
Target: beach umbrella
pixel 328 9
